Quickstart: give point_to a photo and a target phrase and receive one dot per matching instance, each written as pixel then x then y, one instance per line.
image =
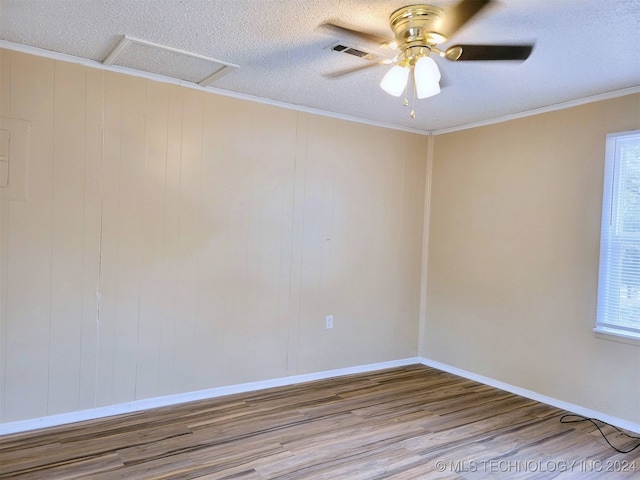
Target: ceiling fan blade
pixel 349 71
pixel 354 35
pixel 488 52
pixel 457 16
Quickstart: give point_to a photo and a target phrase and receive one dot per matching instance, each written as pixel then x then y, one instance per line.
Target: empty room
pixel 338 239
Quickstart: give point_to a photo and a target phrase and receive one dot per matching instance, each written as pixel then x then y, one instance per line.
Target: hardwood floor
pixel 405 423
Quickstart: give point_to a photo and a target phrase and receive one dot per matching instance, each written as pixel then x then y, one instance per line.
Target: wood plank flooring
pixel 404 423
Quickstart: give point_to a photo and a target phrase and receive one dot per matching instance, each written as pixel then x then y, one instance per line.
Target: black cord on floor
pixel 580 418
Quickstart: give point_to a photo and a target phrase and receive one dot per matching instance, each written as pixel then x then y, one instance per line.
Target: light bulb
pixel 427 76
pixel 395 81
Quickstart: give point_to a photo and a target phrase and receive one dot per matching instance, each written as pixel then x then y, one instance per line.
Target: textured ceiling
pixel 582 48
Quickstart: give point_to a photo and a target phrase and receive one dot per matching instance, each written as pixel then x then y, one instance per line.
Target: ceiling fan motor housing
pixel 416 29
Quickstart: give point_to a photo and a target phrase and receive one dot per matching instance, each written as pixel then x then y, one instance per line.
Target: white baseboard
pixel 523 392
pixel 138 405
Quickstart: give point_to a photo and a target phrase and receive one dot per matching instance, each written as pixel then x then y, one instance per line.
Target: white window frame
pixel 610 277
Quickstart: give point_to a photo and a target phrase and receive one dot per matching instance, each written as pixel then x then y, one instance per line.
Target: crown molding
pixel 549 108
pixel 18 47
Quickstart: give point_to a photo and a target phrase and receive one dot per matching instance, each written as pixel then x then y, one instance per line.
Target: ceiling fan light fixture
pixel 425 66
pixel 427 89
pixel 395 81
pixel 418 29
pixel 427 77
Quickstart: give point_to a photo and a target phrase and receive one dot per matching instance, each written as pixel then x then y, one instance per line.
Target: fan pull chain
pixel 413 103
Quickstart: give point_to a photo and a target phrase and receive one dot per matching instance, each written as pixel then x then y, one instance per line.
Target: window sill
pixel 617 336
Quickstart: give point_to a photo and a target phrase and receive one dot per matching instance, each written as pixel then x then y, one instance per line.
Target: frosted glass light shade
pixel 426 90
pixel 395 81
pixel 427 76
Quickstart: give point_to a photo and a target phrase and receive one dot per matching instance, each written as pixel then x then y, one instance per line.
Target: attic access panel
pixel 171 62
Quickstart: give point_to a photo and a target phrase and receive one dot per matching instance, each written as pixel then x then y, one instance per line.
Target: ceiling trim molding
pixel 18 47
pixel 537 111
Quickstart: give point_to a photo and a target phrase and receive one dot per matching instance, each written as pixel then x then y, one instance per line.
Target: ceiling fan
pixel 418 29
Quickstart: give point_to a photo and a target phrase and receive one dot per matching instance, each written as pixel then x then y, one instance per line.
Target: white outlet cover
pixel 329 321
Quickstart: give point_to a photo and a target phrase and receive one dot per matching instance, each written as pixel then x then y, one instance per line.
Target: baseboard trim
pixel 145 404
pixel 554 402
pixel 140 405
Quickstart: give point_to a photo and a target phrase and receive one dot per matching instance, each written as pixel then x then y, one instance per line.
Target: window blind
pixel 619 275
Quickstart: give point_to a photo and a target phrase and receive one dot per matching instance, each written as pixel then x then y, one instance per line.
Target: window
pixel 619 277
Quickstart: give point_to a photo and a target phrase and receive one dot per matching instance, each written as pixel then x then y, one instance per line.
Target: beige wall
pixel 513 256
pixel 219 233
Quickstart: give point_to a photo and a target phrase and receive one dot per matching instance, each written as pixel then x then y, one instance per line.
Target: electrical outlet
pixel 329 322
